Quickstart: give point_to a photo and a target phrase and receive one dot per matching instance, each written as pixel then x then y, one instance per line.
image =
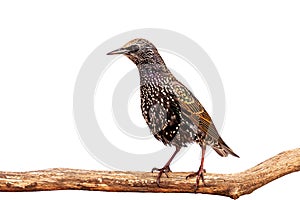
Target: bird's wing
pixel 192 109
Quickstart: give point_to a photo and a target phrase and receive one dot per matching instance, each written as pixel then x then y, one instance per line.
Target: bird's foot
pixel 199 174
pixel 161 171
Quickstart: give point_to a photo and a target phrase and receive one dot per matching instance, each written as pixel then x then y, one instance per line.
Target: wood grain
pixel 231 185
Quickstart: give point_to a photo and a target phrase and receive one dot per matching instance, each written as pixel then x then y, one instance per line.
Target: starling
pixel 173 114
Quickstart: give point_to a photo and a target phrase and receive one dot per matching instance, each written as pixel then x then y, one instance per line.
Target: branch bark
pixel 231 185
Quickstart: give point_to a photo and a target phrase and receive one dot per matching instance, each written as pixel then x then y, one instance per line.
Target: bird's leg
pixel 166 168
pixel 201 171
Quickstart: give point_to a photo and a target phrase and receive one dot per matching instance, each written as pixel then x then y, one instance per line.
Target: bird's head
pixel 139 50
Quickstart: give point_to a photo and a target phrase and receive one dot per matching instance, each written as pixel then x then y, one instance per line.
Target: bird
pixel 172 112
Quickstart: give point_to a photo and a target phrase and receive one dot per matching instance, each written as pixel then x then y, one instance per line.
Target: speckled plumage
pixel 173 114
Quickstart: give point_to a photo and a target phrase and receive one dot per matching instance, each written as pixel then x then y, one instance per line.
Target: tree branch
pixel 231 185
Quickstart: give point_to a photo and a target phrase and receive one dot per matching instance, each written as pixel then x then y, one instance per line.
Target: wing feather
pixel 192 108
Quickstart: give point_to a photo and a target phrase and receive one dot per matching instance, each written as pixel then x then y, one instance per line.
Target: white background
pixel 255 46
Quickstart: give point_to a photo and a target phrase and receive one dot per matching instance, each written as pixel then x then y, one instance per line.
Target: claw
pixel 166 168
pixel 161 171
pixel 199 174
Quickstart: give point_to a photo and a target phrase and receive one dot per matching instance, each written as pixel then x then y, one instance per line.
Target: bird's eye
pixel 134 48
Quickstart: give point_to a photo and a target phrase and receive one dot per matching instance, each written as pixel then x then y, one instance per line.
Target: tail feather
pixel 223 149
